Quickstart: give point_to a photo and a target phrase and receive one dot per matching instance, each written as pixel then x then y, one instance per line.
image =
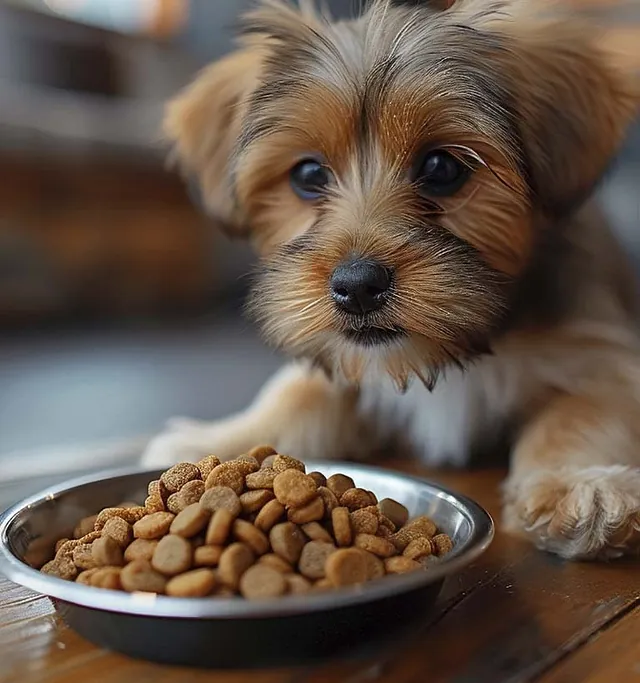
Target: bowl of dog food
pixel 255 562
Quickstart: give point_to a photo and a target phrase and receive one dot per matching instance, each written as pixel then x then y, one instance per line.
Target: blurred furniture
pixel 516 616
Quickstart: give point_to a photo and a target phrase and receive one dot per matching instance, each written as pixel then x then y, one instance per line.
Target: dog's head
pixel 395 171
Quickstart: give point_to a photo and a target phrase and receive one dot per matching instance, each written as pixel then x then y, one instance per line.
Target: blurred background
pixel 120 305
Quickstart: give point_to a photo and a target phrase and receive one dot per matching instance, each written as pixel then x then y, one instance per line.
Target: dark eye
pixel 309 179
pixel 440 174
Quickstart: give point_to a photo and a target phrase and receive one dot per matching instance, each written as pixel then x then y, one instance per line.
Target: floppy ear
pixel 203 123
pixel 574 105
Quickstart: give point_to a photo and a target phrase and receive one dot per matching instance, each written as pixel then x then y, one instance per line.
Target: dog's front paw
pixel 588 513
pixel 189 441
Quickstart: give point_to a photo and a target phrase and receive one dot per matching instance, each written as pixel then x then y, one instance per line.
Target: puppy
pixel 417 182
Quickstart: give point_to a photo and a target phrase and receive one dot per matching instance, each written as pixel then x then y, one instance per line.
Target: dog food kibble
pixel 311 512
pixel 270 515
pixel 191 521
pixel 234 562
pixel 314 557
pixel 339 484
pixel 294 488
pixel 140 549
pixel 258 526
pixel 155 525
pixel 346 567
pixel 197 583
pixel 217 497
pixel 392 510
pixel 287 541
pixel 207 555
pixel 261 581
pixel 139 575
pixel 189 494
pixel 219 527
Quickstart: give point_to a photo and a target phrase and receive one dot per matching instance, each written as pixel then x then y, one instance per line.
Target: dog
pixel 418 183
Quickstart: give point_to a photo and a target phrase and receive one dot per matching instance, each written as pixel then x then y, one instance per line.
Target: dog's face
pixel 396 171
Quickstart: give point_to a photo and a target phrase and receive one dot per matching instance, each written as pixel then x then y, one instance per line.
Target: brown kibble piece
pixel 85 526
pixel 322 585
pixel 276 562
pixel 154 504
pixel 313 559
pixel 375 566
pixel 262 452
pixel 262 479
pixel 178 475
pixel 119 530
pixel 287 541
pixel 339 483
pixel 268 462
pixel 234 562
pixel 106 552
pixel 400 565
pixel 245 464
pixel 270 515
pixel 218 497
pixel 106 577
pixel 206 465
pixel 128 504
pixel 355 499
pixel 140 549
pixel 364 522
pixel 85 577
pixel 139 575
pixel 189 494
pixel 394 511
pixel 172 556
pixel 61 567
pixel 423 524
pixel 418 548
pixel 226 477
pixel 207 555
pixel 197 583
pixel 341 523
pixel 154 525
pixel 247 533
pixel 376 545
pixel 219 527
pixel 60 544
pixel 294 488
pixel 297 584
pixel 261 581
pixel 319 478
pixel 82 556
pixel 284 462
pixel 316 532
pixel 311 512
pixel 131 515
pixel 253 501
pixel 191 521
pixel 329 499
pixel 157 488
pixel 346 567
pixel 441 544
pixel 387 523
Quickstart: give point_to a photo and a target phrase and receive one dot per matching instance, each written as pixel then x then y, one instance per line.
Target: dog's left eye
pixel 440 174
pixel 309 179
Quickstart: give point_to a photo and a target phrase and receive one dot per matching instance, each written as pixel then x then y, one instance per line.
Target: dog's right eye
pixel 309 179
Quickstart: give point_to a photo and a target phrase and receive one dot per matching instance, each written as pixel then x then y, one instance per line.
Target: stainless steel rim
pixel 150 605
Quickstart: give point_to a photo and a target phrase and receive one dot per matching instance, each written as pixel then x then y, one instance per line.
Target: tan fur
pixel 536 103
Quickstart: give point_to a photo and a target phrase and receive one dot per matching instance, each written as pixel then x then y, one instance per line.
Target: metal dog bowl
pixel 232 632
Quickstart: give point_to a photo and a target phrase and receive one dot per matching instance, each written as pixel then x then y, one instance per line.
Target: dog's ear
pixel 203 123
pixel 574 104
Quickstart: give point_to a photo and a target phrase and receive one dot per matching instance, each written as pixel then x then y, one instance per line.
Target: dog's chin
pixel 371 337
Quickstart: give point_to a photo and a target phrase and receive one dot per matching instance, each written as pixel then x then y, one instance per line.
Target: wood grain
pixel 515 616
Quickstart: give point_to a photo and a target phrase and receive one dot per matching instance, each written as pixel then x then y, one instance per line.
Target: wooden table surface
pixel 515 615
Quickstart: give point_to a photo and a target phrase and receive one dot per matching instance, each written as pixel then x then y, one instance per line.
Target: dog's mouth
pixel 374 336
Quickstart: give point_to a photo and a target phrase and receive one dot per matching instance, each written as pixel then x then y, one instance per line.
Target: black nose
pixel 359 286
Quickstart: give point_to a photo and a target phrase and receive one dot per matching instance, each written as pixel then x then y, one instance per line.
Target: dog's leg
pixel 574 485
pixel 299 412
